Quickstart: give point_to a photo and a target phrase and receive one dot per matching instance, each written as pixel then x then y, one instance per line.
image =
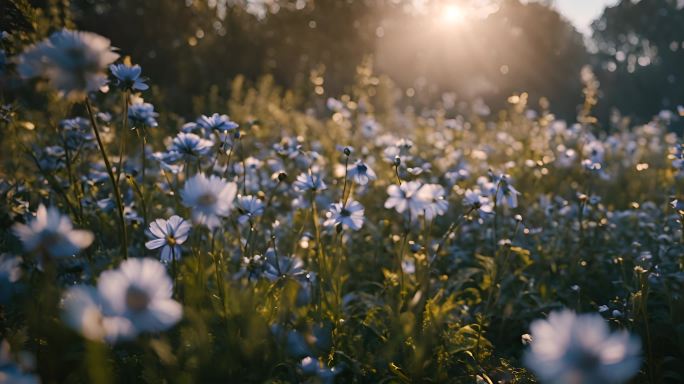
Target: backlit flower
pixel 74 62
pixel 435 203
pixel 12 372
pixel 83 309
pixel 128 77
pixel 348 215
pixel 570 349
pixel 309 181
pixel 10 268
pixel 475 200
pixel 190 146
pixel 405 197
pixel 249 207
pixel 52 233
pixel 221 123
pixel 209 198
pixel 168 235
pixel 10 273
pixel 283 266
pixel 361 173
pixel 142 114
pixel 77 133
pixel 141 291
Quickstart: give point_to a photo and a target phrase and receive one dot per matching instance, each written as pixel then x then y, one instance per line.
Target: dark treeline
pixel 186 46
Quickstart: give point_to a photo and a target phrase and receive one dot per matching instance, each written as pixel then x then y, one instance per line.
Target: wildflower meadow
pixel 357 237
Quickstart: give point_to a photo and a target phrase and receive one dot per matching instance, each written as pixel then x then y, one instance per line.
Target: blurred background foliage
pixel 313 47
pixel 266 62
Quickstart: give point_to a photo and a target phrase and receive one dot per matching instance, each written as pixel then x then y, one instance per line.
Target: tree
pixel 640 56
pixel 188 46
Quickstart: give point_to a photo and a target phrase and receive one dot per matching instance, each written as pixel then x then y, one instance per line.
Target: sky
pixel 582 12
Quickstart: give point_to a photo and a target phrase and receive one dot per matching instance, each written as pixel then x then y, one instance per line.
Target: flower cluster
pixel 74 62
pixel 568 348
pixel 132 299
pixel 333 242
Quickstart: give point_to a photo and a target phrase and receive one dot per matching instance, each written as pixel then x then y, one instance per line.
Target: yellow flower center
pixel 136 299
pixel 207 199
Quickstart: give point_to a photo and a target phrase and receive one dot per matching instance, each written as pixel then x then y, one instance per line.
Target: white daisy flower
pixel 361 173
pixel 309 182
pixel 52 233
pixel 10 268
pixel 568 348
pixel 476 200
pixel 74 62
pixel 142 114
pixel 141 291
pixel 128 77
pixel 221 123
pixel 168 235
pixel 435 203
pixel 84 311
pixel 190 146
pixel 209 198
pixel 15 372
pixel 507 194
pixel 349 215
pixel 249 207
pixel 405 197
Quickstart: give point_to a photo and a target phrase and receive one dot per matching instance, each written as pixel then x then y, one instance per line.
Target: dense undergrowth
pixel 338 239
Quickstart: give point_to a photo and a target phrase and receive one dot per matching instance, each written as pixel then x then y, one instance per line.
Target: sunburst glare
pixel 452 14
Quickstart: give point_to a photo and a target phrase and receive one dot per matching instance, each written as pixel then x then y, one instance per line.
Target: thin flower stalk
pixel 115 185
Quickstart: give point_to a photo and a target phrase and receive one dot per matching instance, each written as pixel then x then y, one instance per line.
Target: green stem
pixel 496 215
pixel 400 268
pixel 230 156
pixel 174 268
pixel 143 141
pixel 244 168
pixel 322 269
pixel 51 181
pixel 336 273
pixel 452 228
pixel 400 260
pixel 124 135
pixel 480 324
pixel 72 182
pixel 248 245
pixel 647 328
pixel 200 259
pixel 218 270
pixel 115 185
pixel 139 192
pixel 99 370
pixel 344 188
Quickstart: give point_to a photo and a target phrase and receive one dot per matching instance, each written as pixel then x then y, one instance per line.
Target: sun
pixel 452 14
